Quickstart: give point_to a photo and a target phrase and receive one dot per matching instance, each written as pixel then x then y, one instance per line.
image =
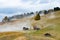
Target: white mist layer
pixel 17 26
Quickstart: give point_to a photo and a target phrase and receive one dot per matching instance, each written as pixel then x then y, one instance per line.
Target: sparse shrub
pixel 45 12
pixel 32 13
pixel 50 10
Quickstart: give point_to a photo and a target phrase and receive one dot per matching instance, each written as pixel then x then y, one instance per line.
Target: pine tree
pixel 5 19
pixel 37 17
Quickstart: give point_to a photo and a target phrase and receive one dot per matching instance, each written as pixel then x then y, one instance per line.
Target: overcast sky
pixel 12 7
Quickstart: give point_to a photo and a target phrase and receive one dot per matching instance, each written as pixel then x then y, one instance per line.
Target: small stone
pixel 47 34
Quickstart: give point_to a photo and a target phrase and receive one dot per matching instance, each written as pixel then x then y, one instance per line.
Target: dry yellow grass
pixel 21 38
pixel 52 27
pixel 10 35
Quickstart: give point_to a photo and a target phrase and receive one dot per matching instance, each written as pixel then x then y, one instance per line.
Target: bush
pixel 45 12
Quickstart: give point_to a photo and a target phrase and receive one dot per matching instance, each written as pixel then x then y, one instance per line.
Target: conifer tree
pixel 5 19
pixel 37 17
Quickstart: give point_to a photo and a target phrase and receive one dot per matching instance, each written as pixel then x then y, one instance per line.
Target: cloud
pixel 26 4
pixel 9 3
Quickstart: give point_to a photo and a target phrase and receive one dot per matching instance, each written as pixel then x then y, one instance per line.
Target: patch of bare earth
pixel 21 38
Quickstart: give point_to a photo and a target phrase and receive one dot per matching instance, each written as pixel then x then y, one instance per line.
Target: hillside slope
pixel 47 24
pixel 17 25
pixel 53 29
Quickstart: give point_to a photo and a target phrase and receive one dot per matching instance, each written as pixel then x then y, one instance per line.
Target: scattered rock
pixel 36 28
pixel 47 34
pixel 24 28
